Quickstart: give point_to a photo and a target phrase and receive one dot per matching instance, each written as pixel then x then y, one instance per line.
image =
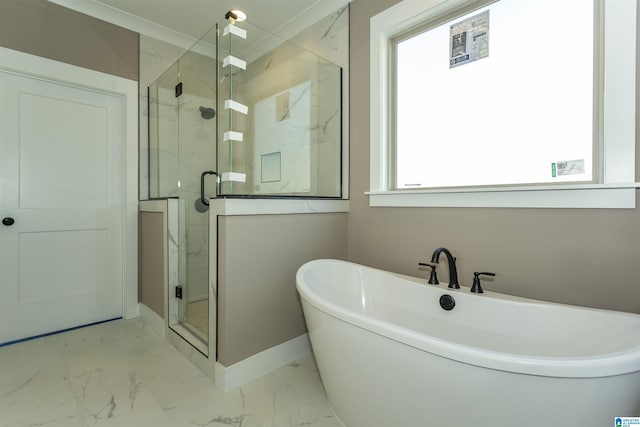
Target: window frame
pixel 616 187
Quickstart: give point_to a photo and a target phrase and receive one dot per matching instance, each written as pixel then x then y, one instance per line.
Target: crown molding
pixel 128 21
pixel 318 10
pixel 311 15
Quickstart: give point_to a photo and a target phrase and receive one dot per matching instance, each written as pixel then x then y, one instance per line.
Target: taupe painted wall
pixel 51 31
pixel 584 257
pixel 258 257
pixel 151 261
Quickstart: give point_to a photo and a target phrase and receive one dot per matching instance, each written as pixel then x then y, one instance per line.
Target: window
pixel 531 86
pixel 530 96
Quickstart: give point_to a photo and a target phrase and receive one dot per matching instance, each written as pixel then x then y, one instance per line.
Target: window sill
pixel 589 196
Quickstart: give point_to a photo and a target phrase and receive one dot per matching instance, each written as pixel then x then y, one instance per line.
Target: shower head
pixel 207 113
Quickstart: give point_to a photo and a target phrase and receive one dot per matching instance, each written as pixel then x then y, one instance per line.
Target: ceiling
pixel 191 18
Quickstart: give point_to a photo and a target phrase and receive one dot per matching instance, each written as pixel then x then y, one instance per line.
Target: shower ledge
pixel 230 206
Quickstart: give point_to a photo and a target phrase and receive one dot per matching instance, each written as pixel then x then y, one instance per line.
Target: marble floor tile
pixel 122 374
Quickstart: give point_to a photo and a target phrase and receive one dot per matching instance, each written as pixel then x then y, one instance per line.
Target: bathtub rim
pixel 605 365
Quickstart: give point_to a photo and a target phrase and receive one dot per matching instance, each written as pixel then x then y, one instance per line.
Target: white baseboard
pixel 231 377
pixel 152 320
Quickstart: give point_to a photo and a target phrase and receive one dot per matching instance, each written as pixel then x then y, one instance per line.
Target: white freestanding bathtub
pixel 390 356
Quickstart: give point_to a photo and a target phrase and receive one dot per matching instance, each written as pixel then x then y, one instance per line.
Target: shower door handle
pixel 203 200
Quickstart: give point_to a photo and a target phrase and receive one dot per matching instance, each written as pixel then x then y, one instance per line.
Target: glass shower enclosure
pixel 280 117
pixel 242 114
pixel 182 135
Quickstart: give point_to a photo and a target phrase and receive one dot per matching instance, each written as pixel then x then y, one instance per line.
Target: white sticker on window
pixel 469 40
pixel 567 167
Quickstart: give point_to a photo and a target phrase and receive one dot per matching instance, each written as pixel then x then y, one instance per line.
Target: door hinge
pixel 179 292
pixel 178 89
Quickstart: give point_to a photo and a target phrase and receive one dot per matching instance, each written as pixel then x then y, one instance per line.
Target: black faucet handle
pixel 476 288
pixel 484 274
pixel 433 278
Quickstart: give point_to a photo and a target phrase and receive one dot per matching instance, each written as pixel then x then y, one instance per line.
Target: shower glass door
pixel 182 147
pixel 196 152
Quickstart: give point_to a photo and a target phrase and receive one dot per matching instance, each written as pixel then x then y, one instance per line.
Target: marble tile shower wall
pixel 329 39
pixel 309 136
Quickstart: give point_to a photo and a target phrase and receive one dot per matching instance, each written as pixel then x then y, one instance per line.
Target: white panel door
pixel 61 182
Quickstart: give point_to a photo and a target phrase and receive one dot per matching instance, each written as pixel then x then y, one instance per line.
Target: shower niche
pixel 243 114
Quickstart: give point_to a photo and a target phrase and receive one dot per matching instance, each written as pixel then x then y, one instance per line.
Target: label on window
pixel 626 421
pixel 469 40
pixel 567 167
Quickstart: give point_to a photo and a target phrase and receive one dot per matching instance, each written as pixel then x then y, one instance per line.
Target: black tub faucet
pixel 477 288
pixel 433 277
pixel 453 271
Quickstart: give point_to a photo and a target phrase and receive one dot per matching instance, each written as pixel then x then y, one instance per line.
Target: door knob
pixel 8 221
